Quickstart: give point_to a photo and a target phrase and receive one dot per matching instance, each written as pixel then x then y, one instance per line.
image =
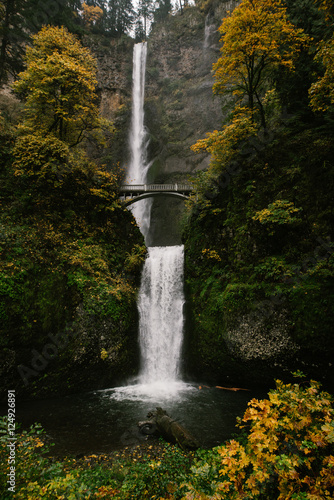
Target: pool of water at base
pixel 105 420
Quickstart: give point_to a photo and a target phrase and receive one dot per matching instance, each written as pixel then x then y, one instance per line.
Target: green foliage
pixel 38 475
pixel 161 478
pixel 30 463
pixel 280 212
pixel 240 254
pixel 135 259
pixel 273 269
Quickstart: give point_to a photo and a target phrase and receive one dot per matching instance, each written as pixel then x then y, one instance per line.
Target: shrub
pixel 287 453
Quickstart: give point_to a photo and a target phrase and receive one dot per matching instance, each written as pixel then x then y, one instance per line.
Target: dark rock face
pixel 179 105
pixel 180 109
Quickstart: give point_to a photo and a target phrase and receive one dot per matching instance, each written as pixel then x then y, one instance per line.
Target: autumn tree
pixel 91 14
pixel 58 87
pixel 322 91
pixel 257 38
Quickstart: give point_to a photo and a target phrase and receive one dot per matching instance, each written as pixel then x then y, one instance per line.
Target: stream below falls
pixel 106 420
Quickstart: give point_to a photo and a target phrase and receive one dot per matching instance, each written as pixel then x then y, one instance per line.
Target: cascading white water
pixel 138 140
pixel 160 304
pixel 209 29
pixel 161 297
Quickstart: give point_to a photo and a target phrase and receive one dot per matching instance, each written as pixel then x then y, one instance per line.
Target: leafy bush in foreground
pixel 286 452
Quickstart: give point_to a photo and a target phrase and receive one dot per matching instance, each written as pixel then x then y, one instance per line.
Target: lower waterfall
pixel 160 305
pixel 161 321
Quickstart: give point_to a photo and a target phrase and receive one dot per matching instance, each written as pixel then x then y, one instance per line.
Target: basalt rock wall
pixel 180 107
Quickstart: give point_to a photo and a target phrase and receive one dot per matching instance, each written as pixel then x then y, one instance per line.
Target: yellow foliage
pixel 222 144
pixel 211 254
pixel 256 37
pixel 104 354
pixel 321 92
pixel 279 212
pixel 58 86
pixel 288 451
pixel 91 14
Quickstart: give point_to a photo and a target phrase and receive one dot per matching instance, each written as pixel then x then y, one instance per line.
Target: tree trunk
pixel 169 429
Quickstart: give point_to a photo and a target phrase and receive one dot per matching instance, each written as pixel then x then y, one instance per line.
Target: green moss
pixel 250 256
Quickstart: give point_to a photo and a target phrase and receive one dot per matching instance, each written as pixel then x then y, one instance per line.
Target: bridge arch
pixel 132 193
pixel 150 195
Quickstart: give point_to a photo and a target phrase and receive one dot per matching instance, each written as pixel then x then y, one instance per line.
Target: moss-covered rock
pixel 260 272
pixel 70 265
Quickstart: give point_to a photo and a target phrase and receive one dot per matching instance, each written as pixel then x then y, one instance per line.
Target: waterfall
pixel 138 138
pixel 160 306
pixel 161 298
pixel 209 29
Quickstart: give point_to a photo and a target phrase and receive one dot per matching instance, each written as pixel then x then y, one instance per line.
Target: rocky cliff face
pixel 180 108
pixel 179 105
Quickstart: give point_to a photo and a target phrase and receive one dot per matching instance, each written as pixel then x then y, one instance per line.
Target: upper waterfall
pixel 138 138
pixel 136 172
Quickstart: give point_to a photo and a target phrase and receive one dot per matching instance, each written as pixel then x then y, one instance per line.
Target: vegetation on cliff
pixel 71 255
pixel 259 229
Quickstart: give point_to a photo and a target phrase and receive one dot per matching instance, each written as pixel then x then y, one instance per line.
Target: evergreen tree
pixel 120 17
pixel 140 34
pixel 12 35
pixel 19 19
pixel 145 13
pixel 163 8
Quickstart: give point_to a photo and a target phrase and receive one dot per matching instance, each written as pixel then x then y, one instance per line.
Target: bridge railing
pixel 142 188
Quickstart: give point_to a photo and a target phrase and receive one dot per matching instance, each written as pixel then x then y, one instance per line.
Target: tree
pixel 140 34
pixel 120 16
pixel 145 13
pixel 19 19
pixel 59 86
pixel 164 7
pixel 286 450
pixel 183 4
pixel 91 14
pixel 12 38
pixel 257 38
pixel 322 91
